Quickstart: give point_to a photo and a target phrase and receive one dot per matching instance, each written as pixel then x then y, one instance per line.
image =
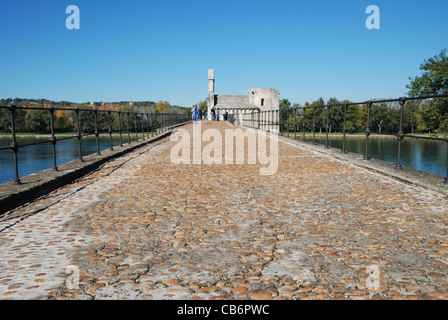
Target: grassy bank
pixel 65 134
pixel 362 135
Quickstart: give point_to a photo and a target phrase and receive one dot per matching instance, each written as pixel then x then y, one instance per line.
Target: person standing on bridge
pixel 194 114
pixel 217 114
pixel 213 114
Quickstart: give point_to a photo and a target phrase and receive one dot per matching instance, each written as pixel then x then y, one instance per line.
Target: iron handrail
pixel 148 122
pixel 272 120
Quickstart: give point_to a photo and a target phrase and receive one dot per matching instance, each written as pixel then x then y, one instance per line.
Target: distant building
pixel 243 106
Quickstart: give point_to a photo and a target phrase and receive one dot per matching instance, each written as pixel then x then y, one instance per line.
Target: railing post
pixel 344 128
pixel 147 124
pixel 295 123
pixel 446 179
pixel 97 134
pixel 400 133
pixel 272 121
pixel 367 131
pixel 327 126
pixel 267 123
pixel 152 125
pixel 303 124
pixel 278 119
pixel 165 122
pixel 110 130
pixel 314 126
pixel 78 135
pixel 253 119
pixel 120 129
pixel 53 139
pixel 136 129
pixel 268 120
pixel 143 126
pixel 160 122
pixel 129 129
pixel 279 123
pixel 14 146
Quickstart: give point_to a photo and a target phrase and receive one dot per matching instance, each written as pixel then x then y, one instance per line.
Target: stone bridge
pixel 323 226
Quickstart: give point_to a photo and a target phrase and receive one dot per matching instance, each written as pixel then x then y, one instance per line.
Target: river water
pixel 40 157
pixel 424 155
pixel 420 154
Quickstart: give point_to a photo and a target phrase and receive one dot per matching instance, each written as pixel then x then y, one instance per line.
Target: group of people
pixel 196 114
pixel 215 115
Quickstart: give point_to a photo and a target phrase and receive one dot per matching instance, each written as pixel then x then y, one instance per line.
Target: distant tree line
pixel 424 116
pixel 384 117
pixel 38 121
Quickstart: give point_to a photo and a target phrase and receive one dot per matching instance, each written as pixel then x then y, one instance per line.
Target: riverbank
pixel 309 135
pixel 68 134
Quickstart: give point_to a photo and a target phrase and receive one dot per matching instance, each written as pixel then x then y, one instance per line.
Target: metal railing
pixel 274 121
pixel 143 124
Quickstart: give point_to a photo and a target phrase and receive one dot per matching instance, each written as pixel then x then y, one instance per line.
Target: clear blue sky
pixel 161 50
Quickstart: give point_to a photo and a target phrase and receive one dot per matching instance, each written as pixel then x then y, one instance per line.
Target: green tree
pixel 433 81
pixel 378 116
pixel 203 106
pixel 284 107
pixel 430 114
pixel 392 120
pixel 5 120
pixel 353 114
pixel 37 121
pixel 361 121
pixel 320 113
pixel 86 119
pixel 412 109
pixel 285 112
pixel 161 106
pixel 336 114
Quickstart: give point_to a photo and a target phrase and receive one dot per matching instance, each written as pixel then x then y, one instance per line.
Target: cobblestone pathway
pixel 142 227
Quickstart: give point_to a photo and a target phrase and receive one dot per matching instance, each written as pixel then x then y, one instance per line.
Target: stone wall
pixel 264 98
pixel 232 100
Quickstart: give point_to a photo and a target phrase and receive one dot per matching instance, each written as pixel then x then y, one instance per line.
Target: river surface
pixel 420 154
pixel 40 157
pixel 424 155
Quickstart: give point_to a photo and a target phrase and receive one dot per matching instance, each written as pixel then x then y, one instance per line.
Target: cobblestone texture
pixel 141 227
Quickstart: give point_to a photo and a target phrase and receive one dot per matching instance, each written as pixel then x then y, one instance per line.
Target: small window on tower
pixel 262 102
